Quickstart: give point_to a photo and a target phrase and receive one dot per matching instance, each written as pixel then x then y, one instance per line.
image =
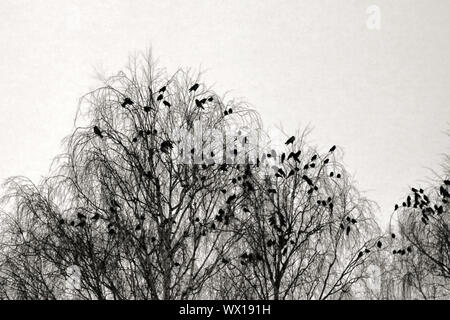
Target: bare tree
pixel 128 204
pixel 420 266
pixel 306 231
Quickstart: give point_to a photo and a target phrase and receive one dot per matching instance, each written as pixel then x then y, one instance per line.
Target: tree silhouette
pixel 165 192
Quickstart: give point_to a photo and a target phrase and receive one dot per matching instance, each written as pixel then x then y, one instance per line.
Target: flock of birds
pixel 418 200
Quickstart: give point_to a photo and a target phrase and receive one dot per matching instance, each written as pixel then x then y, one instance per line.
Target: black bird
pixel 414 190
pixel 331 173
pixel 326 161
pixel 98 132
pixel 162 90
pixel 210 99
pixel 127 101
pixel 231 198
pixel 314 157
pixel 379 244
pixel 353 221
pixel 290 140
pixel 194 87
pixel 338 176
pixel 308 180
pixel 283 156
pixel 367 250
pixel 332 148
pixel 96 216
pixel 291 173
pixel 393 236
pixel 225 113
pixel 147 108
pixel 160 97
pixel 396 207
pixel 167 103
pixel 280 171
pixel 199 104
pixel 290 155
pixel 348 230
pixel 409 249
pixel 230 111
pixel 166 146
pixel 447 182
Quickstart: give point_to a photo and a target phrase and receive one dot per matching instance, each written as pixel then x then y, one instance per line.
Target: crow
pixel 348 230
pixel 166 146
pixel 326 161
pixel 332 148
pixel 338 176
pixel 230 111
pixel 331 173
pixel 393 236
pixel 290 140
pixel 199 104
pixel 162 90
pixel 98 132
pixel 283 156
pixel 167 103
pixel 396 207
pixel 194 87
pixel 314 157
pixel 447 182
pixel 147 108
pixel 210 99
pixel 307 179
pixel 127 101
pixel 231 198
pixel 160 97
pixel 379 244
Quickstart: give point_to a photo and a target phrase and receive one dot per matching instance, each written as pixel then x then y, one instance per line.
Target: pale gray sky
pixel 382 95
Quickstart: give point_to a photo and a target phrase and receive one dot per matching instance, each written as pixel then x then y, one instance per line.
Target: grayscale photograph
pixel 225 150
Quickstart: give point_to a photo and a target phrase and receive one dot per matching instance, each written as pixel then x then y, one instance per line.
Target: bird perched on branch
pixel 199 104
pixel 98 132
pixel 290 140
pixel 332 148
pixel 194 87
pixel 127 101
pixel 166 146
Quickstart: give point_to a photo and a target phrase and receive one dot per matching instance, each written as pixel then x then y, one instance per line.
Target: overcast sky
pixel 381 95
